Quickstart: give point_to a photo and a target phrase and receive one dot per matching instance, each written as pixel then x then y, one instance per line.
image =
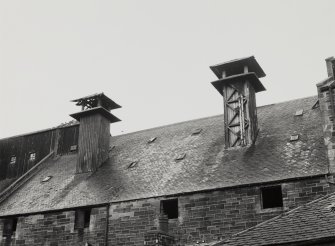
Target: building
pixel 195 182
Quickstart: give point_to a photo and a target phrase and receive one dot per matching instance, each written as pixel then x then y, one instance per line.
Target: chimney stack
pixel 94 130
pixel 326 95
pixel 330 62
pixel 238 82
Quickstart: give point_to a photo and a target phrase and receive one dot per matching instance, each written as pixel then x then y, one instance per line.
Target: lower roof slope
pixel 207 165
pixel 310 222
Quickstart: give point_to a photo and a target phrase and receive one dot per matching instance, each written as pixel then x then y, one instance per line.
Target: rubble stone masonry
pixel 206 216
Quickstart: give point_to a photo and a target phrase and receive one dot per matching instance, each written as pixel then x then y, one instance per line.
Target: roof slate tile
pixel 208 164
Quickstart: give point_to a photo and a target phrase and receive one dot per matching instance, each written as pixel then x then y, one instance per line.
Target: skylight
pixel 151 140
pixel 196 131
pixel 299 112
pixel 46 179
pixel 180 157
pixel 294 138
pixel 132 164
pixel 111 148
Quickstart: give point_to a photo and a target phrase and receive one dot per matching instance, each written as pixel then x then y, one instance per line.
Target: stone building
pixel 190 183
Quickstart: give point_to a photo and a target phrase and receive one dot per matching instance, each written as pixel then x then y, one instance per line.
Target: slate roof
pixel 313 221
pixel 207 165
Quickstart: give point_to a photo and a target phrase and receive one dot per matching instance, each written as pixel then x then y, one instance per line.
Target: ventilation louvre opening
pixel 82 218
pixel 170 208
pixel 196 131
pixel 132 164
pixel 294 138
pixel 180 157
pixel 272 197
pixel 299 112
pixel 151 140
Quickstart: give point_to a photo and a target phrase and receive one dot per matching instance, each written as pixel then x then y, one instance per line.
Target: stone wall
pixel 57 228
pixel 207 216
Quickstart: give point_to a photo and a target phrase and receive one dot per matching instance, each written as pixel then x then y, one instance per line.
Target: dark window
pixel 9 227
pixel 170 208
pixel 272 197
pixel 82 218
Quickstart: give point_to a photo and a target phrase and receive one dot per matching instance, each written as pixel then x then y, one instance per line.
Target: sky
pixel 151 56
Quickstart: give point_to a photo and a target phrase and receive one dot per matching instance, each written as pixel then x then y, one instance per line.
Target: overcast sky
pixel 152 57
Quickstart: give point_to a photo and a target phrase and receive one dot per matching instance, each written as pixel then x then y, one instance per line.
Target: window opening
pixel 9 227
pixel 170 208
pixel 73 148
pixel 82 218
pixel 272 197
pixel 299 112
pixel 32 156
pixel 151 140
pixel 197 131
pixel 181 157
pixel 12 160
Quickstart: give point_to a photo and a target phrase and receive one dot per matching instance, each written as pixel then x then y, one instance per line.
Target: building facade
pixel 190 183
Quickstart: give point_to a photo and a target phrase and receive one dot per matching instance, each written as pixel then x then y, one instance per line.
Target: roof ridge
pixel 207 117
pixel 278 217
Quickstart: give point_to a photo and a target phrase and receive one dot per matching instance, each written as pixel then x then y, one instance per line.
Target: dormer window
pixel 12 160
pixel 32 156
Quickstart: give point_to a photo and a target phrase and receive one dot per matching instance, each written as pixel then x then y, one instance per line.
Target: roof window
pixel 46 179
pixel 180 157
pixel 151 140
pixel 82 218
pixel 132 164
pixel 9 227
pixel 170 208
pixel 299 112
pixel 294 138
pixel 196 131
pixel 32 156
pixel 12 160
pixel 111 148
pixel 316 104
pixel 272 197
pixel 73 148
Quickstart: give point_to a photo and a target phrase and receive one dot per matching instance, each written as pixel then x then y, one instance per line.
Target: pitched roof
pixel 207 165
pixel 311 222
